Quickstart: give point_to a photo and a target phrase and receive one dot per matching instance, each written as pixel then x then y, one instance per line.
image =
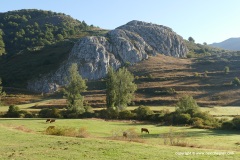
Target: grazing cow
pixel 125 134
pixel 144 130
pixel 52 120
pixel 48 120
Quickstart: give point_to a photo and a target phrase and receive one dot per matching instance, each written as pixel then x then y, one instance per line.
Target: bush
pixel 67 131
pixel 13 112
pixel 187 105
pixel 183 118
pixel 143 113
pixel 197 122
pixel 236 82
pixel 126 114
pixel 49 113
pixel 236 122
pixel 109 113
pixel 227 125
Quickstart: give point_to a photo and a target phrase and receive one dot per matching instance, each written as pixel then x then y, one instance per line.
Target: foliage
pixel 32 28
pixel 143 112
pixel 190 39
pixel 76 85
pixel 187 104
pixel 226 69
pixel 2 93
pixel 49 113
pixel 236 122
pixel 126 114
pixel 120 88
pixel 67 131
pixel 111 94
pixel 235 82
pixel 13 112
pixel 2 44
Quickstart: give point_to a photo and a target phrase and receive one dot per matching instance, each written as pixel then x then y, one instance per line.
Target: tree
pixel 2 94
pixel 2 45
pixel 76 85
pixel 226 70
pixel 120 88
pixel 110 88
pixel 187 104
pixel 236 82
pixel 190 39
pixel 205 43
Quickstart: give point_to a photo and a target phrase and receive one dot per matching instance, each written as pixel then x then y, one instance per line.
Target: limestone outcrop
pixel 127 44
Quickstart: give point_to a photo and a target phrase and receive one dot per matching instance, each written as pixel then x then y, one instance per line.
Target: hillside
pixel 36 42
pixel 33 29
pixel 162 80
pixel 229 44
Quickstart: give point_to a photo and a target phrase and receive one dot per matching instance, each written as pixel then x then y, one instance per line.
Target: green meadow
pixel 27 139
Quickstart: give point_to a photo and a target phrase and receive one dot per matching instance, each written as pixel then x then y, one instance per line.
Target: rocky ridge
pixel 127 44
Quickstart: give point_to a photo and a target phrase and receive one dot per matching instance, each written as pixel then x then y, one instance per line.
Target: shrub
pixel 197 122
pixel 174 138
pixel 226 70
pixel 187 104
pixel 109 113
pixel 183 118
pixel 49 113
pixel 235 82
pixel 143 112
pixel 227 125
pixel 236 122
pixel 125 114
pixel 13 112
pixel 67 131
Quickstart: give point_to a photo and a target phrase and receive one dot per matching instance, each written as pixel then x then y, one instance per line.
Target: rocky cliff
pixel 129 43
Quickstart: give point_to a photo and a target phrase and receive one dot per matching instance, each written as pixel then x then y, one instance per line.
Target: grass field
pixel 26 139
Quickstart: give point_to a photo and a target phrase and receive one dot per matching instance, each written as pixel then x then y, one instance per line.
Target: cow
pixel 125 134
pixel 52 120
pixel 144 130
pixel 48 120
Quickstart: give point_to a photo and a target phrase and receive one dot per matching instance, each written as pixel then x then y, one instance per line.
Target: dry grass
pixel 67 131
pixel 131 135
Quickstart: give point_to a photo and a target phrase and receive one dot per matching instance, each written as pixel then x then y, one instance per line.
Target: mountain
pixel 229 44
pixel 33 29
pixel 127 44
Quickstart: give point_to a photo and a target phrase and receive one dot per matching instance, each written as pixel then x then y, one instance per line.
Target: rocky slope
pixel 129 43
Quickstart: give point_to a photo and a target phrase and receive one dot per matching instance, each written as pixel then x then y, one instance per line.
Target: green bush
pixel 13 112
pixel 197 122
pixel 228 125
pixel 126 114
pixel 236 122
pixel 143 113
pixel 50 113
pixel 183 118
pixel 109 113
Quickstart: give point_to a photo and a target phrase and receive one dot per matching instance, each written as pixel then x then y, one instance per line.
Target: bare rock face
pixel 129 43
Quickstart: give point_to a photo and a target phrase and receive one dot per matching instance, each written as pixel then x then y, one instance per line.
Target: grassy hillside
pixel 26 139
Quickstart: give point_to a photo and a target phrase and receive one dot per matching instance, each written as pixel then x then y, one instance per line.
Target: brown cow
pixel 144 130
pixel 52 120
pixel 125 134
pixel 48 120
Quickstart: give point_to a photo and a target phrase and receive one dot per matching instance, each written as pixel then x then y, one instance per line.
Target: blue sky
pixel 204 20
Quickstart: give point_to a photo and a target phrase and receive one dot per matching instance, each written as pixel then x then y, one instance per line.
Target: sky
pixel 205 20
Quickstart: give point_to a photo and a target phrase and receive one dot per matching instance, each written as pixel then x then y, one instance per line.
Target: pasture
pixel 26 139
